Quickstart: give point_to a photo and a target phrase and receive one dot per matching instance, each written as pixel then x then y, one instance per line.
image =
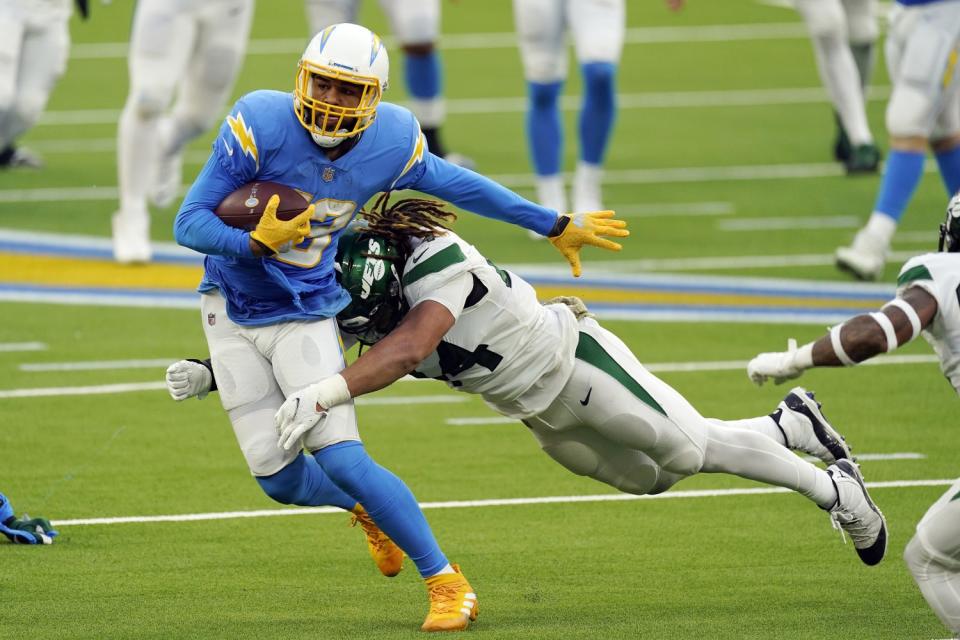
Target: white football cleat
pixel 864 258
pixel 856 514
pixel 166 183
pixel 805 428
pixel 131 238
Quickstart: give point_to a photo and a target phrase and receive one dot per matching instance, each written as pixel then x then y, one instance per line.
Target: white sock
pixel 882 227
pixel 446 569
pixel 839 73
pixel 136 142
pixel 754 456
pixel 550 193
pixel 763 424
pixel 586 187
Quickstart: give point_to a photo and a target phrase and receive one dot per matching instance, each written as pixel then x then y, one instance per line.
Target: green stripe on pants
pixel 590 351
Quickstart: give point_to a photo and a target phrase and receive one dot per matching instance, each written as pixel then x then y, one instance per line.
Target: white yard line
pixel 501 40
pixel 469 504
pixel 95 365
pixel 22 346
pixel 733 365
pixel 796 222
pixel 478 106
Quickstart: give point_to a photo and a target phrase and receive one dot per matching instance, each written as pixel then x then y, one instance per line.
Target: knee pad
pixel 909 112
pixel 150 103
pixel 825 19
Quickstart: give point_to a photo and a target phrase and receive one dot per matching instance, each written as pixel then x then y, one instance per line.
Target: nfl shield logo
pixel 211 319
pixel 327 174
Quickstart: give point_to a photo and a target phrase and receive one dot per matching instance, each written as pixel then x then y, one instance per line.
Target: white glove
pixel 305 409
pixel 186 379
pixel 781 365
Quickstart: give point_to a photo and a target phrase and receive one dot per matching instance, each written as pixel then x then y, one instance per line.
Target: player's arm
pixel 189 378
pixel 858 339
pixel 399 353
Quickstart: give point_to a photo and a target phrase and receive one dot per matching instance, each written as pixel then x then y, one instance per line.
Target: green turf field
pixel 728 566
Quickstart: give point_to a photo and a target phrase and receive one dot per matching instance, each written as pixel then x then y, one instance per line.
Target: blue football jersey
pixel 262 139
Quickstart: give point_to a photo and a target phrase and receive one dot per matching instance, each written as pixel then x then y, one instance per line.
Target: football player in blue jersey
pixel 270 296
pixel 923 112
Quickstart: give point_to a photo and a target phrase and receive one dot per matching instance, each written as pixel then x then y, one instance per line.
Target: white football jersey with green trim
pixel 501 333
pixel 939 275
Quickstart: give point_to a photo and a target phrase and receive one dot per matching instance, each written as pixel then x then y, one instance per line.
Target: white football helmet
pixel 348 53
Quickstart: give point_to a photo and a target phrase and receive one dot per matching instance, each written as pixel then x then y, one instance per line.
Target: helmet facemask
pixel 369 268
pixel 950 227
pixel 330 124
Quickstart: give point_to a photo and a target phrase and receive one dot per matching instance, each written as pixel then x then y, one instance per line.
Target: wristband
pixel 332 391
pixel 838 347
pixel 559 226
pixel 888 330
pixel 910 312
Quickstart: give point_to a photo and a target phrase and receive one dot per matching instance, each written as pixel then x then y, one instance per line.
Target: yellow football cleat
pixel 383 550
pixel 453 604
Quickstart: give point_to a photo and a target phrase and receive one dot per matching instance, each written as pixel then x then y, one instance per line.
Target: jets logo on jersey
pixel 244 136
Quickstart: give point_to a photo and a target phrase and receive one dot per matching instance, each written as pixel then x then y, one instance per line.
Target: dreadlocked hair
pixel 407 218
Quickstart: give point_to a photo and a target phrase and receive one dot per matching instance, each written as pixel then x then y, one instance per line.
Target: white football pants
pixel 596 26
pixel 933 557
pixel 34 44
pixel 411 21
pixel 188 48
pixel 616 422
pixel 256 368
pixel 922 49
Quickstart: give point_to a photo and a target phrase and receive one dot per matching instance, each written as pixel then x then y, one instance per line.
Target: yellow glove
pixel 279 235
pixel 586 228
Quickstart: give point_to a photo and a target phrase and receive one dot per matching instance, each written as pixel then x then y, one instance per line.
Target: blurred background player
pixel 191 49
pixel 925 302
pixel 34 44
pixel 843 35
pixel 416 26
pixel 25 530
pixel 924 110
pixel 597 28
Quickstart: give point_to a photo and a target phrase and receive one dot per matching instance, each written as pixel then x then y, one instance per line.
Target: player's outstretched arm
pixel 575 230
pixel 384 363
pixel 858 339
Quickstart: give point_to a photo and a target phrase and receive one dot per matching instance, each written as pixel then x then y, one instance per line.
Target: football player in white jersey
pixel 926 303
pixel 416 26
pixel 591 405
pixel 184 48
pixel 843 34
pixel 922 46
pixel 34 43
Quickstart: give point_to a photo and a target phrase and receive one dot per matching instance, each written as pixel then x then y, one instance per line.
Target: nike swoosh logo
pixel 417 257
pixel 586 400
pixel 227 147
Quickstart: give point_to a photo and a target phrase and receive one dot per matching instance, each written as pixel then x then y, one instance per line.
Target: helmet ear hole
pixel 369 268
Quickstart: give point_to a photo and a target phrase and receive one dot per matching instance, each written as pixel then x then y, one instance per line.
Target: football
pixel 242 208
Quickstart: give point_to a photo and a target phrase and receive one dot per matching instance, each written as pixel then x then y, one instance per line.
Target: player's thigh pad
pixel 306 352
pixel 862 23
pixel 247 389
pixel 413 21
pixel 541 31
pixel 824 18
pixel 627 404
pixel 323 13
pixel 947 124
pixel 221 44
pixel 598 28
pixel 927 71
pixel 939 530
pixel 585 452
pixel 161 44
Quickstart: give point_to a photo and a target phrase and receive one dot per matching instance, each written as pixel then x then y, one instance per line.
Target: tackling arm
pixel 386 362
pixel 860 338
